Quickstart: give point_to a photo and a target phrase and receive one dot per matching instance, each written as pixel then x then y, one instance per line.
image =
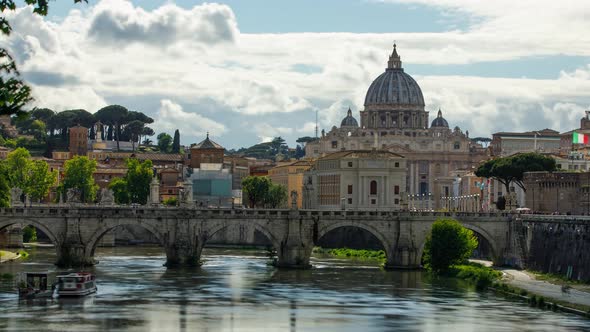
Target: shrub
pixel 448 244
pixel 29 234
pixel 172 201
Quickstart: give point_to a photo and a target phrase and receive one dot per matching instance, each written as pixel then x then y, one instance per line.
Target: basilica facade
pixel 394 119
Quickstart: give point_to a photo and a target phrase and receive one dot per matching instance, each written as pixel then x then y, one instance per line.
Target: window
pixel 334 144
pixel 350 164
pixel 350 201
pixel 373 188
pixel 373 201
pixel 396 190
pixel 350 189
pixel 396 164
pixel 456 145
pixel 396 201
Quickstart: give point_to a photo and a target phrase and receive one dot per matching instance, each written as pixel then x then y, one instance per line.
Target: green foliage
pixel 255 189
pixel 135 186
pixel 448 244
pixel 276 196
pixel 119 188
pixel 171 201
pixel 176 142
pixel 32 176
pixel 482 276
pixel 352 253
pixel 113 116
pixel 78 175
pixel 4 187
pixel 138 177
pixel 29 234
pixel 164 142
pixel 511 169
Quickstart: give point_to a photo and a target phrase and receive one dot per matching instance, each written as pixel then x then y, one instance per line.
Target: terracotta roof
pixel 207 144
pixel 147 156
pixel 355 154
pixel 539 133
pixel 296 163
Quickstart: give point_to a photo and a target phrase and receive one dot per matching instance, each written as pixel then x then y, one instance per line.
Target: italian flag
pixel 580 138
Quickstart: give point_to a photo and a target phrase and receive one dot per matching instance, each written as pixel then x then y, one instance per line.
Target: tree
pixel 113 116
pixel 147 131
pixel 255 189
pixel 135 129
pixel 176 142
pixel 120 192
pixel 164 142
pixel 78 175
pixel 511 169
pixel 4 187
pixel 448 244
pixel 40 179
pixel 305 139
pixel 14 93
pixel 138 178
pixel 17 165
pixel 32 176
pixel 276 196
pixel 135 186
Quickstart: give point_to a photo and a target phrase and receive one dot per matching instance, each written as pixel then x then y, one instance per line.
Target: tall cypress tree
pixel 176 142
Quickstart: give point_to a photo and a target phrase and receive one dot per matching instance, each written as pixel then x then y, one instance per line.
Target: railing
pixel 147 210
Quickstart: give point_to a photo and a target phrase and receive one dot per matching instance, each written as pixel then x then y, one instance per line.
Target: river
pixel 235 290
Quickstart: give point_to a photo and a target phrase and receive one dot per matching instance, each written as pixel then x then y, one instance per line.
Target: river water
pixel 235 290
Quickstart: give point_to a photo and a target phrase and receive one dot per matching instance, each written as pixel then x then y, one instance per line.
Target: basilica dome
pixel 439 121
pixel 394 87
pixel 349 120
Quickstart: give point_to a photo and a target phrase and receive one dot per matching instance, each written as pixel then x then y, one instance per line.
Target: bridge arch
pixel 92 242
pixel 478 231
pixel 385 243
pixel 26 221
pixel 209 232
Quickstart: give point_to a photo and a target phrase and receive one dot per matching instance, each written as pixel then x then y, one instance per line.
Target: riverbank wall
pixel 559 246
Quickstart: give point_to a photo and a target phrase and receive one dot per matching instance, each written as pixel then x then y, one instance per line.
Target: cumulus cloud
pixel 119 22
pixel 171 116
pixel 117 51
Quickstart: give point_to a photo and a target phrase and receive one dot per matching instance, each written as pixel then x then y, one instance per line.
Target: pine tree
pixel 176 142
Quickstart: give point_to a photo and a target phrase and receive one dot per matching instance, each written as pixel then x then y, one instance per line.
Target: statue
pixel 294 196
pixel 73 196
pixel 27 200
pixel 106 197
pixel 15 194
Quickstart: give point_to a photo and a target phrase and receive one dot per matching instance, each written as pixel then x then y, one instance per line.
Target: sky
pixel 247 71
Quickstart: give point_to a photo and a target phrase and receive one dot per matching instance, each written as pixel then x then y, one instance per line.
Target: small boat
pixel 76 284
pixel 34 285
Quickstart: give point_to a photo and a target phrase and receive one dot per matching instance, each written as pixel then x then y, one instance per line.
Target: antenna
pixel 316 123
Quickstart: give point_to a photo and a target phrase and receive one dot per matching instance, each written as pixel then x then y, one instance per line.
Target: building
pixel 239 167
pixel 170 182
pixel 561 192
pixel 212 185
pixel 290 176
pixel 207 152
pixel 105 174
pixel 394 119
pixel 509 143
pixel 4 151
pixel 356 179
pixel 566 139
pixel 8 129
pixel 78 141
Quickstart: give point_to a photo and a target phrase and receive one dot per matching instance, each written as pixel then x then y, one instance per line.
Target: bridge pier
pixel 73 255
pixel 183 255
pixel 403 258
pixel 294 251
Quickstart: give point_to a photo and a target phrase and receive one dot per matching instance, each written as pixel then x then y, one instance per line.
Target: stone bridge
pixel 183 232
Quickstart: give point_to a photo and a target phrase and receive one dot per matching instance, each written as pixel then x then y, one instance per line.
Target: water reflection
pixel 236 291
